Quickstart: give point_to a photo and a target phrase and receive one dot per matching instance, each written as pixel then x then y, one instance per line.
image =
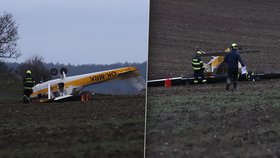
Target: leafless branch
pixel 8 37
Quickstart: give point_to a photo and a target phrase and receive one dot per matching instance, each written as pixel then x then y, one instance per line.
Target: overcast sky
pixel 81 31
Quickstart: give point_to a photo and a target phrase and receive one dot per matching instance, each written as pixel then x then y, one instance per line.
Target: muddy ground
pixel 106 126
pixel 204 120
pixel 207 121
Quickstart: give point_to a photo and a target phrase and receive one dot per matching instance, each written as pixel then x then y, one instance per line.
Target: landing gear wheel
pixel 63 69
pixel 54 71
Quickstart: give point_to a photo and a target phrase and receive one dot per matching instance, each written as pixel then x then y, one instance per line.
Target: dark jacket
pixel 28 82
pixel 232 59
pixel 197 63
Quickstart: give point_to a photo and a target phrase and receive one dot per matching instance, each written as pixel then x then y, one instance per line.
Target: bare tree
pixel 8 37
pixel 37 67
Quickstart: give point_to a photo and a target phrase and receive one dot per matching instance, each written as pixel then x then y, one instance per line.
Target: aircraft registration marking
pixel 103 76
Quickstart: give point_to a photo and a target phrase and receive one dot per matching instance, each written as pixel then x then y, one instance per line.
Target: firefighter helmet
pixel 198 52
pixel 28 72
pixel 234 46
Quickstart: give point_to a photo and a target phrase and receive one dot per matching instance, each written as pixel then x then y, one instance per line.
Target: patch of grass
pixel 191 121
pixel 202 100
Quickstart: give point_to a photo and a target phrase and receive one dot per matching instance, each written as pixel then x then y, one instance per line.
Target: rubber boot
pixel 25 99
pixel 235 85
pixel 228 84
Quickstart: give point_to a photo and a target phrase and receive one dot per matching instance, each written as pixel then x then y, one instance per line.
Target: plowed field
pixel 106 126
pixel 177 27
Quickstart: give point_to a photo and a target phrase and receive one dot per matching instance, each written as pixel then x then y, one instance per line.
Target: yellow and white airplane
pixel 217 65
pixel 65 87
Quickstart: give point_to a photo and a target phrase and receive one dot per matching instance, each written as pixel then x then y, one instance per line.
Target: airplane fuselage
pixel 72 85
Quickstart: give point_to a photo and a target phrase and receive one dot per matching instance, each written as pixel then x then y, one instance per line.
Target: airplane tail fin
pixel 137 81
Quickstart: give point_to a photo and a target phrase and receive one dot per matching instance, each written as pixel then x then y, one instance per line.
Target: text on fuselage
pixel 103 76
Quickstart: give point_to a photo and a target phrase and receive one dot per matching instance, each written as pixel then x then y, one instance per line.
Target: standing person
pixel 232 59
pixel 28 83
pixel 198 69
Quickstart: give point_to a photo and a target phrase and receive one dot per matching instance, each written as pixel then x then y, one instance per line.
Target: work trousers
pixel 233 74
pixel 27 93
pixel 199 73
